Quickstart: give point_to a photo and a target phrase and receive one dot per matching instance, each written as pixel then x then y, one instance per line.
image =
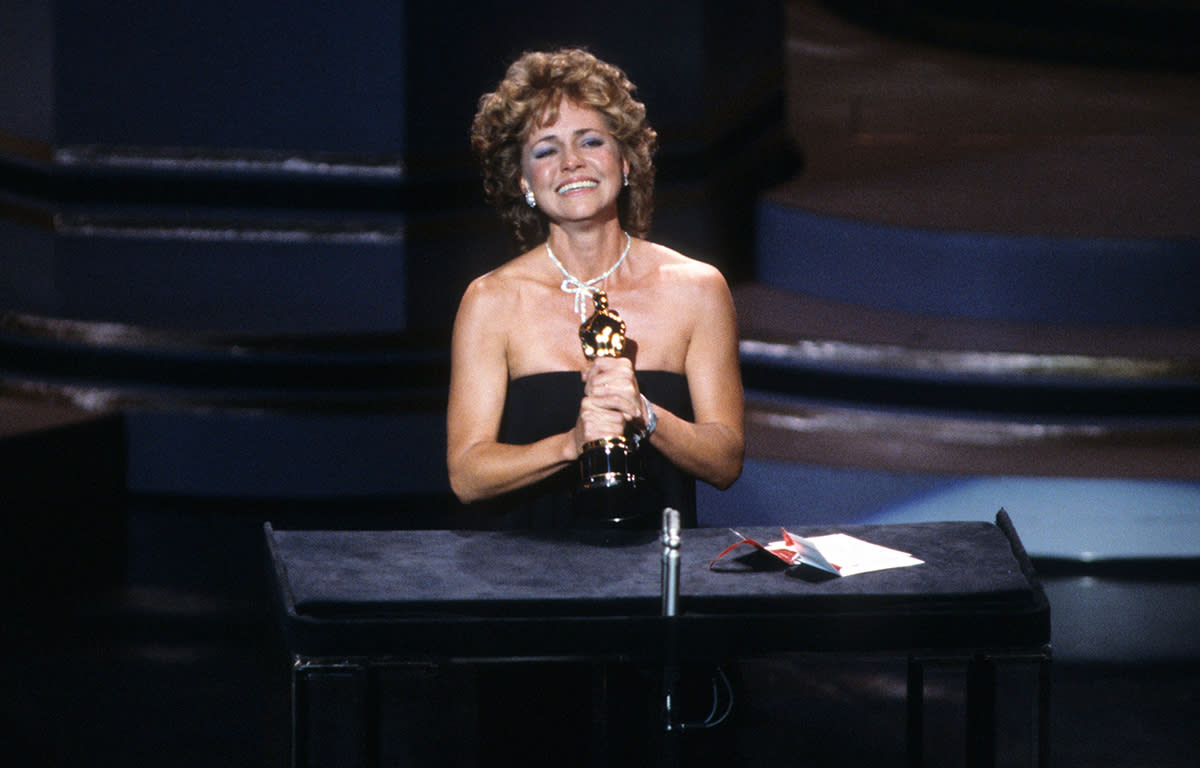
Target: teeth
pixel 564 189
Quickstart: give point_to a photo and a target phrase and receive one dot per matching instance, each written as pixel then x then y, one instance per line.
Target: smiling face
pixel 574 165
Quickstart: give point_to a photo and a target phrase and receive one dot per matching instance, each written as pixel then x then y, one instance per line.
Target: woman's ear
pixel 527 191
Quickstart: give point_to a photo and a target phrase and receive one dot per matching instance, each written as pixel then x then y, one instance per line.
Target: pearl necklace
pixel 582 288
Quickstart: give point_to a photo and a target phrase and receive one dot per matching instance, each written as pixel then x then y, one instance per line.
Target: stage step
pixel 983 186
pixel 340 415
pixel 798 344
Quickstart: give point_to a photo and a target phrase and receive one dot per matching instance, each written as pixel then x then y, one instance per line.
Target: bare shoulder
pixel 685 276
pixel 500 289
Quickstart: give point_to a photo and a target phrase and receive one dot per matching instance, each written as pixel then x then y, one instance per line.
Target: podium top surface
pixel 531 593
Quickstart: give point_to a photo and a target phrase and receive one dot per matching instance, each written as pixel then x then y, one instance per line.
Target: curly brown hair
pixel 527 97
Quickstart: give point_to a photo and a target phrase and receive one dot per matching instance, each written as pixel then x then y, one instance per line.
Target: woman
pixel 567 158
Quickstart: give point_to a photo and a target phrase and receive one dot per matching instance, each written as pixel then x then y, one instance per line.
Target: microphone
pixel 670 608
pixel 672 725
pixel 670 562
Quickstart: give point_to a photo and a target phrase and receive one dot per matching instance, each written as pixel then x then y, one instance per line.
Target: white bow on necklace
pixel 582 288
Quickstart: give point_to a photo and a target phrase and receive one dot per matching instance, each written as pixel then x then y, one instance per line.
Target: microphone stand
pixel 672 728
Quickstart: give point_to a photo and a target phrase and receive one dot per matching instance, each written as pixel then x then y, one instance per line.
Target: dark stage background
pixel 964 241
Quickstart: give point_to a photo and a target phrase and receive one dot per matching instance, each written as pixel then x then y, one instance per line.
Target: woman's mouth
pixel 574 186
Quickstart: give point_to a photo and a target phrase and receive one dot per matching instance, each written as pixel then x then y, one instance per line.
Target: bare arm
pixel 480 467
pixel 713 446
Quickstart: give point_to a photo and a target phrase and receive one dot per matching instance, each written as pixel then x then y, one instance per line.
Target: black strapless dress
pixel 549 729
pixel 545 404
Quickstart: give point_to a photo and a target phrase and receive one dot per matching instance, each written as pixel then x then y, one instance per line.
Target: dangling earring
pixel 529 198
pixel 626 181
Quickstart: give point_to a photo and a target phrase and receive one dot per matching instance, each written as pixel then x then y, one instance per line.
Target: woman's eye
pixel 541 152
pixel 593 141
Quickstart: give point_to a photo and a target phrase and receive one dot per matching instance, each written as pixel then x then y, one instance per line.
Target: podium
pixel 358 607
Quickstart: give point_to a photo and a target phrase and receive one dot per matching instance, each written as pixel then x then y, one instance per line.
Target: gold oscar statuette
pixel 608 462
